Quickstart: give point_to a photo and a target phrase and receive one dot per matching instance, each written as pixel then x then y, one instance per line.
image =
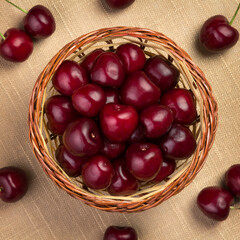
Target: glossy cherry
pixel 68 77
pixel 139 135
pixel 108 70
pixel 181 102
pixel 232 179
pixel 162 72
pixel 178 143
pixel 13 184
pixel 60 112
pixel 138 91
pixel 88 100
pixel 112 95
pixel 132 57
pixel 120 233
pixel 118 121
pixel 123 182
pixel 71 164
pixel 157 120
pixel 119 4
pixel 16 45
pixel 144 160
pixel 215 202
pixel 82 137
pixel 97 172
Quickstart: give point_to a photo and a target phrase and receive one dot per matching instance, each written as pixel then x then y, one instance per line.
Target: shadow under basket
pixel 191 77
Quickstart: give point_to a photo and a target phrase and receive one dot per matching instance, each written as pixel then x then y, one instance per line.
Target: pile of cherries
pixel 121 117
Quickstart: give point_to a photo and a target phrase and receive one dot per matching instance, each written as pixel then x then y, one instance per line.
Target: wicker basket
pixel 191 77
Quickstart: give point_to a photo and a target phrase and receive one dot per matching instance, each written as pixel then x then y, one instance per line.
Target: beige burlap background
pixel 46 212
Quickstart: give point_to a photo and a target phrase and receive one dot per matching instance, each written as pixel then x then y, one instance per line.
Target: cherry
pixel 215 202
pixel 181 102
pixel 16 45
pixel 82 137
pixel 68 77
pixel 162 72
pixel 71 164
pixel 232 179
pixel 139 135
pixel 132 57
pixel 118 121
pixel 112 150
pixel 97 172
pixel 112 95
pixel 168 167
pixel 157 120
pixel 217 33
pixel 178 143
pixel 119 4
pixel 108 70
pixel 123 182
pixel 138 91
pixel 88 100
pixel 144 160
pixel 120 233
pixel 60 112
pixel 13 184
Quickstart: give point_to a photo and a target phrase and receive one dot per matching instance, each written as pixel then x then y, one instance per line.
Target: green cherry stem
pixel 234 208
pixel 235 14
pixel 1 189
pixel 23 10
pixel 2 36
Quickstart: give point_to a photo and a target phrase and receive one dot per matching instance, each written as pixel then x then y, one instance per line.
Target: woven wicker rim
pixel 194 79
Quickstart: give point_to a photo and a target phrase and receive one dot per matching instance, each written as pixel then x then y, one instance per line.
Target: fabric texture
pixel 46 212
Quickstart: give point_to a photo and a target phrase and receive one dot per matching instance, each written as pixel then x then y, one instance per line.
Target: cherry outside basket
pixel 153 43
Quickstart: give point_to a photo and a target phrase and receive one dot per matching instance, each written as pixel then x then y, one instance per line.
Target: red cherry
pixel 13 184
pixel 157 120
pixel 232 179
pixel 97 172
pixel 69 77
pixel 88 100
pixel 119 4
pixel 120 233
pixel 215 202
pixel 181 102
pixel 112 95
pixel 138 91
pixel 132 57
pixel 60 112
pixel 139 135
pixel 71 164
pixel 162 72
pixel 123 182
pixel 16 45
pixel 118 122
pixel 144 160
pixel 82 137
pixel 108 70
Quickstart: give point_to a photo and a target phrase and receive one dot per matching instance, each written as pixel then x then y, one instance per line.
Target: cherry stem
pixel 1 189
pixel 23 10
pixel 235 14
pixel 234 208
pixel 2 36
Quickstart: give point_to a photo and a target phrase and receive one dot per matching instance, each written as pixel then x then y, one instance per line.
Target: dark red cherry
pixel 144 160
pixel 157 120
pixel 138 91
pixel 168 167
pixel 178 143
pixel 39 22
pixel 89 60
pixel 112 95
pixel 97 172
pixel 82 137
pixel 162 72
pixel 108 70
pixel 232 179
pixel 13 184
pixel 215 202
pixel 60 112
pixel 71 164
pixel 69 77
pixel 118 121
pixel 88 100
pixel 16 45
pixel 181 102
pixel 112 149
pixel 132 57
pixel 123 182
pixel 139 134
pixel 120 233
